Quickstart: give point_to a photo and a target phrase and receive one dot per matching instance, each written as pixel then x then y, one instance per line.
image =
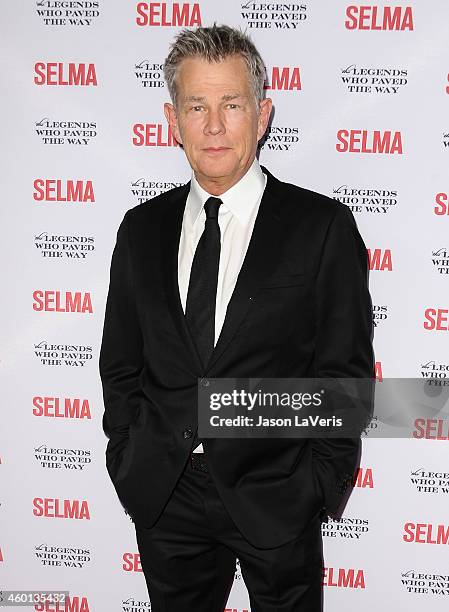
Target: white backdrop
pixel 361 114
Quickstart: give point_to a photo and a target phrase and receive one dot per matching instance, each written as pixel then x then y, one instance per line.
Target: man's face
pixel 217 120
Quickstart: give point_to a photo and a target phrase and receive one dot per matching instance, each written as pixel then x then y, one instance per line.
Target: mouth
pixel 216 150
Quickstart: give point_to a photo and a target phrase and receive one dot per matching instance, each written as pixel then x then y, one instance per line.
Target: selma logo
pixel 363 478
pixel 284 78
pixel 131 562
pixel 59 190
pixel 344 578
pixel 58 73
pixel 62 301
pixel 378 371
pixel 379 18
pixel 436 319
pixel 379 259
pixel 168 14
pixel 153 135
pixel 442 204
pixel 365 141
pixel 71 604
pixel 63 408
pixel 426 533
pixel 50 507
pixel 431 429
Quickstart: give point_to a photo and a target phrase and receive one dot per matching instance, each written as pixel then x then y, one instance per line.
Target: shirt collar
pixel 240 199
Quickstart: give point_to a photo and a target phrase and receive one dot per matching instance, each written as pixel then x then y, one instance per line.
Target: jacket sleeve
pixel 343 341
pixel 121 359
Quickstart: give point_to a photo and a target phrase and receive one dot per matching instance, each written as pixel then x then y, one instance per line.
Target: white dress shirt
pixel 236 217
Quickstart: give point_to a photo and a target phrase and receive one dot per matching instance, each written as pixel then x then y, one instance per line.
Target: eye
pixel 232 105
pixel 197 108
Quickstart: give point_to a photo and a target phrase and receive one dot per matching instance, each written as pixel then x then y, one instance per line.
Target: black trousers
pixel 189 557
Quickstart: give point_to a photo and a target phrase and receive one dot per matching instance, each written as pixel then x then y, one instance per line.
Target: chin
pixel 217 169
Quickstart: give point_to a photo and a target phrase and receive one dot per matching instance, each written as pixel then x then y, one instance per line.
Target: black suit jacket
pixel 309 315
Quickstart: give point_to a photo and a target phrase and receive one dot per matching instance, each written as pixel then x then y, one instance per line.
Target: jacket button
pixel 187 433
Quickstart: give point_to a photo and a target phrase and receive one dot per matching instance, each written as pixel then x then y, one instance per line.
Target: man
pixel 235 274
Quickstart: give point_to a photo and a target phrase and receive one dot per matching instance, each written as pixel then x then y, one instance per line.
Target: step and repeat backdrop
pixel 361 96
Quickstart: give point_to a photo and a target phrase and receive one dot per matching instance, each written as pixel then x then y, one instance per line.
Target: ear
pixel 264 116
pixel 172 120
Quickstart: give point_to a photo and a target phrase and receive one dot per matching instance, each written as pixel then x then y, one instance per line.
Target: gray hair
pixel 214 44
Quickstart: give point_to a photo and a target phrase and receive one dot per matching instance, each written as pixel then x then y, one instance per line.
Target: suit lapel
pixel 170 236
pixel 261 257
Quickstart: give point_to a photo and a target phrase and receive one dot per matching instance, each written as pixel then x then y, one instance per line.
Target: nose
pixel 214 123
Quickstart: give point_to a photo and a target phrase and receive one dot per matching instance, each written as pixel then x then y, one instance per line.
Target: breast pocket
pixel 283 280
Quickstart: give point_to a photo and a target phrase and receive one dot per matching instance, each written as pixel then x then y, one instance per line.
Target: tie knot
pixel 211 207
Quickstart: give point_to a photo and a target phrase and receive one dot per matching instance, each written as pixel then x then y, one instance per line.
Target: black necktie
pixel 202 292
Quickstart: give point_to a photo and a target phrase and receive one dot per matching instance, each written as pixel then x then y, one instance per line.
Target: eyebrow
pixel 224 98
